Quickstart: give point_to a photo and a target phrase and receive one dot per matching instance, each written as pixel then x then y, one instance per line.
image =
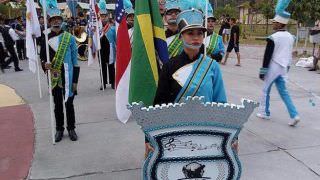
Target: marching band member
pixel 64 72
pixel 213 42
pixel 191 73
pixel 276 63
pixel 172 33
pixel 107 67
pixel 130 18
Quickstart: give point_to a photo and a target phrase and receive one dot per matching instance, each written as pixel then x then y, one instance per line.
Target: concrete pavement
pixel 108 149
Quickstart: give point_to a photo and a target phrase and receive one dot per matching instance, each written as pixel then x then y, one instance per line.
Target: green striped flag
pixel 149 44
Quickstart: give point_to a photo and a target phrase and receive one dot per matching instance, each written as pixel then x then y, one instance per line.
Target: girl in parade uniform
pixel 191 73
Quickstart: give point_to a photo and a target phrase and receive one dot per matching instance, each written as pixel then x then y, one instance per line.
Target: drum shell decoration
pixel 192 139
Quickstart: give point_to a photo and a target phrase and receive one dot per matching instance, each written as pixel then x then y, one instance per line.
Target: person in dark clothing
pixel 2 50
pixel 82 20
pixel 63 57
pixel 234 42
pixel 41 38
pixel 9 38
pixel 21 46
pixel 224 29
pixel 108 70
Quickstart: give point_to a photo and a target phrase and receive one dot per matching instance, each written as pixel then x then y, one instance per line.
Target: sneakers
pixel 295 121
pixel 262 116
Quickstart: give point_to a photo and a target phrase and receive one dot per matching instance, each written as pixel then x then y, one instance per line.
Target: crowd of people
pixel 193 68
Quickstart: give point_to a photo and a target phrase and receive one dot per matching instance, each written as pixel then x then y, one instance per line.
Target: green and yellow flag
pixel 149 44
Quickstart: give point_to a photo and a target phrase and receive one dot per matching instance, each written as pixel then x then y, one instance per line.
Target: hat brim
pixel 211 17
pixel 167 10
pixel 193 27
pixel 55 17
pixel 281 20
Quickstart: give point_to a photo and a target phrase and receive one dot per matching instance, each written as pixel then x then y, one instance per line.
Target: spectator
pixel 234 41
pixel 20 43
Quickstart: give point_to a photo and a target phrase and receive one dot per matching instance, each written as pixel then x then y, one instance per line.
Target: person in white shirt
pixel 276 63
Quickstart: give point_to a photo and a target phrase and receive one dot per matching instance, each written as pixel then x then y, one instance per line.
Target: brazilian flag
pixel 149 49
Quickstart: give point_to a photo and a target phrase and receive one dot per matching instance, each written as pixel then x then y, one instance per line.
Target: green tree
pixel 305 12
pixel 266 8
pixel 229 9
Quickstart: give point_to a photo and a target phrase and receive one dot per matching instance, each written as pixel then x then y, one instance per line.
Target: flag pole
pixel 49 72
pixel 101 74
pixel 38 69
pixel 206 26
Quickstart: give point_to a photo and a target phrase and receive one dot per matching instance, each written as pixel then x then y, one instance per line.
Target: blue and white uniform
pixel 277 60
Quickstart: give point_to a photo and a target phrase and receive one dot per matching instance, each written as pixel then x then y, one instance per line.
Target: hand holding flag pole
pixel 44 5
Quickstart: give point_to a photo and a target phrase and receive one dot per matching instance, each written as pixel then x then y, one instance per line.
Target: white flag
pixel 93 33
pixel 32 29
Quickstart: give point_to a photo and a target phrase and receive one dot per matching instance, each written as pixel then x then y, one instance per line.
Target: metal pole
pixel 206 26
pixel 49 72
pixel 297 39
pixel 101 74
pixel 38 69
pixel 306 41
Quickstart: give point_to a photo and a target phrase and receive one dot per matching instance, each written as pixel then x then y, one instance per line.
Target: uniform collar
pixel 53 34
pixel 170 33
pixel 186 58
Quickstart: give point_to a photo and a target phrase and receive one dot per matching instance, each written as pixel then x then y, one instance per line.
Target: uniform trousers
pixel 58 94
pixel 276 74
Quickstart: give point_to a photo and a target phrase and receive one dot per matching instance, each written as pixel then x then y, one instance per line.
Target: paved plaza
pixel 110 150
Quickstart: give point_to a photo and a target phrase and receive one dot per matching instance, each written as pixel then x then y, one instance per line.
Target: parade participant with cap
pixel 112 38
pixel 190 73
pixel 64 70
pixel 107 67
pixel 172 33
pixel 213 42
pixel 130 18
pixel 276 63
pixel 162 7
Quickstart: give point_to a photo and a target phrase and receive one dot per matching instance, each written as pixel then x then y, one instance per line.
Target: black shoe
pixel 58 136
pixel 73 135
pixel 102 88
pixel 7 67
pixel 313 69
pixel 18 69
pixel 112 86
